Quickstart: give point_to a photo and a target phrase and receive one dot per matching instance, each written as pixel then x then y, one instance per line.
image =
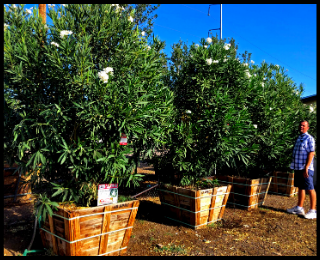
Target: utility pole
pixel 220 21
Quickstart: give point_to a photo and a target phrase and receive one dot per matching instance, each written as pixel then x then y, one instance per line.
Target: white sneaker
pixel 311 215
pixel 296 211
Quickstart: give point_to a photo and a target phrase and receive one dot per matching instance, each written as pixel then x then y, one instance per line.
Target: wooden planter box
pixel 193 208
pixel 282 184
pixel 10 184
pixel 245 192
pixel 96 231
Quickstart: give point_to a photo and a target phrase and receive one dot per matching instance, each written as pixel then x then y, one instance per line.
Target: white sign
pixel 107 194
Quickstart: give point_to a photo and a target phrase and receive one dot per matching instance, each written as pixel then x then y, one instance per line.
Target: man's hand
pixel 305 173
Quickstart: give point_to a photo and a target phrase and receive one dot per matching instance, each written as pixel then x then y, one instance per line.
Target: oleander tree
pixel 80 84
pixel 212 126
pixel 275 107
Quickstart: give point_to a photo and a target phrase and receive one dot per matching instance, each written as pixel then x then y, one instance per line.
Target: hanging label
pixel 107 194
pixel 123 140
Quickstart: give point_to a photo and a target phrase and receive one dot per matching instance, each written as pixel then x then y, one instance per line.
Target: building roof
pixel 309 98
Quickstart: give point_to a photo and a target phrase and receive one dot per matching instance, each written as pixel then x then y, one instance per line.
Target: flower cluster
pixel 55 44
pixel 130 19
pixel 227 46
pixel 64 33
pixel 210 61
pixel 51 5
pixel 118 7
pixel 5 26
pixel 29 11
pixel 143 33
pixel 104 74
pixel 248 74
pixel 209 40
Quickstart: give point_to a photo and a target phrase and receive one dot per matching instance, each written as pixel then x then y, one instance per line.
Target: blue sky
pixel 283 34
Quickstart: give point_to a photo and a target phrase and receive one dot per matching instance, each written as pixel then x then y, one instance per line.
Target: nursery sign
pixel 107 194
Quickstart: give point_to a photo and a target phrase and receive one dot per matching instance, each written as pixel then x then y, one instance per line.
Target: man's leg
pixel 313 198
pixel 301 197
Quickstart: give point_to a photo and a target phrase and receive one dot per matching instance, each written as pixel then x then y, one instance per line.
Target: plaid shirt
pixel 303 146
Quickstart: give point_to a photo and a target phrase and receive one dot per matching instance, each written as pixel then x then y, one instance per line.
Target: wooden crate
pixel 282 184
pixel 95 231
pixel 245 192
pixel 10 184
pixel 193 208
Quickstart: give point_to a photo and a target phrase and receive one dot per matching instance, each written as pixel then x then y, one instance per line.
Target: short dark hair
pixel 304 121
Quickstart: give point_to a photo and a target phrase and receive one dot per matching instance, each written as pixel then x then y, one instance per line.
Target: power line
pixel 255 45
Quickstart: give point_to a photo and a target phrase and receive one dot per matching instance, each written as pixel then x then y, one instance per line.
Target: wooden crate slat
pixel 128 232
pixel 105 228
pixel 225 199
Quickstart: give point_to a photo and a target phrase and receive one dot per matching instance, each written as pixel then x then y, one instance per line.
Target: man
pixel 302 163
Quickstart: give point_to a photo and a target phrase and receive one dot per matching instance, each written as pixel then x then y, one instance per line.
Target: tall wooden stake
pixel 42 11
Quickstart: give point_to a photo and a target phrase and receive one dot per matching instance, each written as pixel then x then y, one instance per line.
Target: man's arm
pixel 309 160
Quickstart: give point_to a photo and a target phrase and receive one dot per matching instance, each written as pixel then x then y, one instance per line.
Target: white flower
pixel 215 61
pixel 130 19
pixel 311 109
pixel 248 74
pixel 262 84
pixel 149 48
pixel 143 33
pixel 209 40
pixel 28 11
pixel 103 76
pixel 108 70
pixel 255 126
pixel 46 27
pixel 55 44
pixel 51 5
pixel 63 33
pixel 270 108
pixel 5 26
pixel 264 78
pixel 224 60
pixel 64 5
pixel 197 45
pixel 188 111
pixel 206 46
pixel 227 46
pixel 252 61
pixel 255 75
pixel 245 64
pixel 14 6
pixel 209 61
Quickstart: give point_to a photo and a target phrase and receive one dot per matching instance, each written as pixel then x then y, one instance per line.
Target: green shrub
pixel 79 84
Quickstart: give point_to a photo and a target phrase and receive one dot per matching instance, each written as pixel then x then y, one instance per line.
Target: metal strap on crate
pixel 283 193
pixel 210 196
pixel 102 213
pixel 71 242
pixel 282 178
pixel 190 210
pixel 113 251
pixel 243 205
pixel 247 195
pixel 280 184
pixel 192 225
pixel 244 183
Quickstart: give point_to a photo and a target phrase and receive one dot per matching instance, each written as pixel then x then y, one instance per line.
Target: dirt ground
pixel 268 230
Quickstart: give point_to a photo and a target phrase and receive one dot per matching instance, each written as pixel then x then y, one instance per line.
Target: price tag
pixel 123 140
pixel 107 194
